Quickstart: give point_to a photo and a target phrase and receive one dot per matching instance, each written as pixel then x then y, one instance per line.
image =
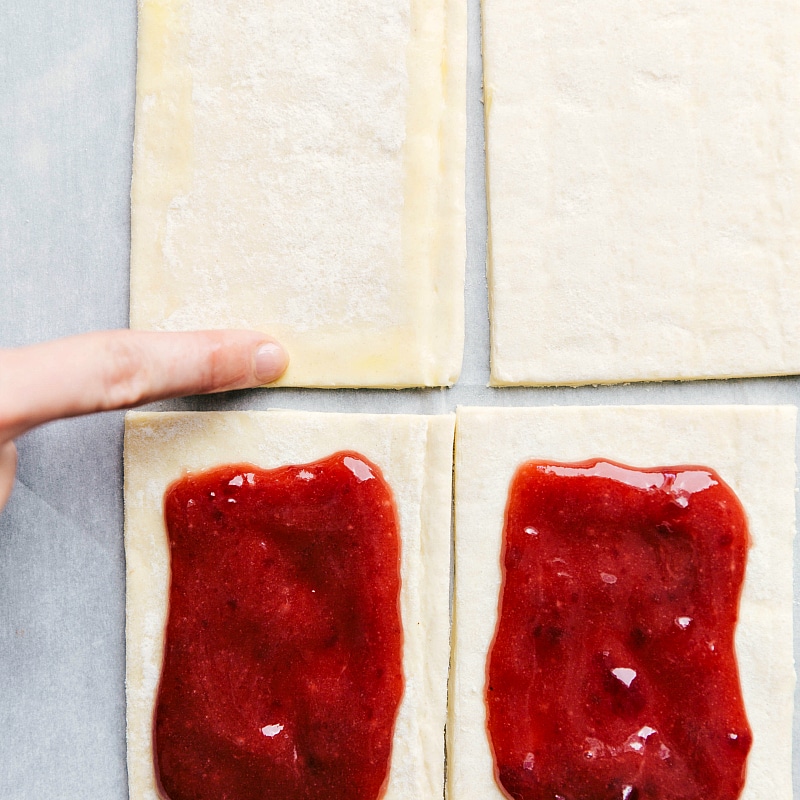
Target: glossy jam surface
pixel 282 671
pixel 612 675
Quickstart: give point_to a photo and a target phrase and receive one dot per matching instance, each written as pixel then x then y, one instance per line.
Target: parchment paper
pixel 67 70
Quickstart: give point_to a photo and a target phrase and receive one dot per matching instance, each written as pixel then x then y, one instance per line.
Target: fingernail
pixel 271 362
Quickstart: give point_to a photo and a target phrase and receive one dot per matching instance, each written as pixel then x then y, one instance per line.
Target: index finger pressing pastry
pixel 600 554
pixel 299 169
pixel 287 605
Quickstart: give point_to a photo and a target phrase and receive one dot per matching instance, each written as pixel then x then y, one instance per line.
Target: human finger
pixel 8 468
pixel 122 369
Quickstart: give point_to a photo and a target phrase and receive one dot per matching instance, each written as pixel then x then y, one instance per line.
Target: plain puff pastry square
pixel 643 164
pixel 299 169
pixel 414 453
pixel 752 450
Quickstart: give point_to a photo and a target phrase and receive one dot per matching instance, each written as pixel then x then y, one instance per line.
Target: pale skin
pixel 122 369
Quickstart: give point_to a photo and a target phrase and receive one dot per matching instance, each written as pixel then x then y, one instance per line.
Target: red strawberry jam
pixel 612 675
pixel 282 671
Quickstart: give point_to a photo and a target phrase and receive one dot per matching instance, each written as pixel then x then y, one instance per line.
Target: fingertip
pixel 270 362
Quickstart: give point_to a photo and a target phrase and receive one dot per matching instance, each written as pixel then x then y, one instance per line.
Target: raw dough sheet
pixel 643 166
pixel 299 169
pixel 414 454
pixel 751 448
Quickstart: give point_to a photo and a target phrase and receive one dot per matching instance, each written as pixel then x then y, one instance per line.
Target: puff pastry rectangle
pixel 414 453
pixel 643 165
pixel 750 447
pixel 299 169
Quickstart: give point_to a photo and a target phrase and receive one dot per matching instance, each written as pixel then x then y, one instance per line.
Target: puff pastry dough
pixel 299 169
pixel 415 455
pixel 752 449
pixel 644 189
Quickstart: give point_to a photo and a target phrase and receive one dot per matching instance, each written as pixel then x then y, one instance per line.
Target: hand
pixel 122 369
